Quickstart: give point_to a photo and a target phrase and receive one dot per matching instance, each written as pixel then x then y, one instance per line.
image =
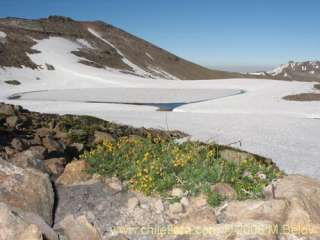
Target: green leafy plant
pixel 155 166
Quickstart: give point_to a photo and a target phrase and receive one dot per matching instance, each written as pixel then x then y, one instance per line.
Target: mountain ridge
pixel 295 71
pixel 22 35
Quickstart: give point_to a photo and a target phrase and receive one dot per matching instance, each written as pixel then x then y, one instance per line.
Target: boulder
pixel 133 203
pixel 32 218
pixel 12 121
pixel 78 146
pixel 18 144
pixel 26 189
pixel 52 145
pixel 176 208
pixel 292 201
pixel 237 211
pixel 28 159
pixel 39 152
pixel 43 132
pixel 100 137
pixel 199 201
pixel 225 190
pixel 106 208
pixel 302 194
pixel 114 183
pixel 177 192
pixel 74 172
pixel 9 150
pixel 185 202
pixel 235 156
pixel 77 228
pixel 18 226
pixel 55 166
pixel 32 232
pixel 203 217
pixel 7 109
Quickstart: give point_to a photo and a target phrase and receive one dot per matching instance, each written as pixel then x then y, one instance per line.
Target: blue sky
pixel 225 33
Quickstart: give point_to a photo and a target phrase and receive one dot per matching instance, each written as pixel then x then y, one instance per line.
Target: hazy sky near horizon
pixel 248 34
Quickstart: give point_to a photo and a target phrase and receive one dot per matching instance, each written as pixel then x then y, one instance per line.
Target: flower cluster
pixel 154 165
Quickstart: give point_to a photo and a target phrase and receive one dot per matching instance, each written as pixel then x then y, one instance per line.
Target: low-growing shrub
pixel 153 165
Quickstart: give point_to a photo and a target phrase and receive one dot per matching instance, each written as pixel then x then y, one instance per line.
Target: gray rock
pixel 235 156
pixel 77 228
pixel 19 144
pixel 177 192
pixel 78 146
pixel 106 208
pixel 28 159
pixel 55 165
pixel 43 132
pixel 15 226
pixel 225 190
pixel 27 189
pixel 44 228
pixel 12 121
pixel 52 145
pixel 9 150
pixel 6 109
pixel 102 136
pixel 133 203
pixel 176 208
pixel 38 152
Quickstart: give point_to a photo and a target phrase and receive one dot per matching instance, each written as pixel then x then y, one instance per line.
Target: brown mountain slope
pixel 21 35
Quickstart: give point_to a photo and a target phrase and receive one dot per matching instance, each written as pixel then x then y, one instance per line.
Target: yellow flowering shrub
pixel 152 165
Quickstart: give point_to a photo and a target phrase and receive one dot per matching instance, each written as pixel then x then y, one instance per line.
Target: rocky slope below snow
pixel 43 197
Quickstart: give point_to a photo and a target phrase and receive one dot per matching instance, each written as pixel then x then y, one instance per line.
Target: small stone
pixel 224 190
pixel 133 203
pixel 12 121
pixel 158 205
pixel 261 176
pixel 185 201
pixel 55 165
pixel 74 172
pixel 18 144
pixel 100 137
pixel 176 208
pixel 78 146
pixel 10 151
pixel 39 152
pixel 177 192
pixel 115 184
pixel 52 145
pixel 43 132
pixel 247 174
pixel 49 67
pixel 199 201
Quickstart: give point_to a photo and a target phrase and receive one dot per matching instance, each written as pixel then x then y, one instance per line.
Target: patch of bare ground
pixel 305 96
